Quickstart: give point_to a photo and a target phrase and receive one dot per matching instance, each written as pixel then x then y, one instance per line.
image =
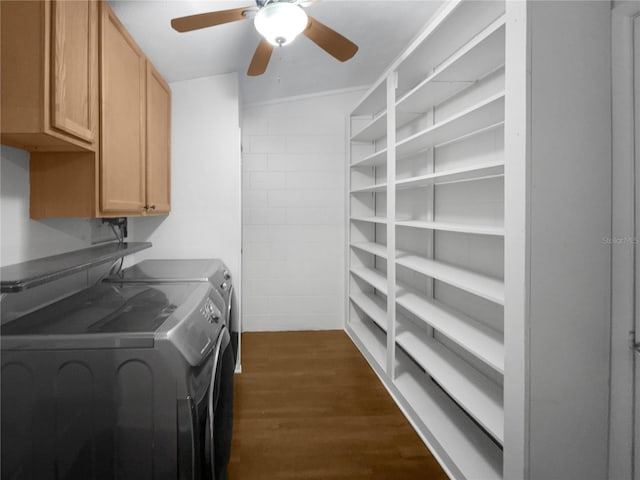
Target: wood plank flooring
pixel 308 406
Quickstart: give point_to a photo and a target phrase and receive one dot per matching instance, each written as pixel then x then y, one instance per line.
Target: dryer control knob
pixel 226 275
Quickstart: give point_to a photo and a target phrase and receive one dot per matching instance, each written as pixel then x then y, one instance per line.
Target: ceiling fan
pixel 279 22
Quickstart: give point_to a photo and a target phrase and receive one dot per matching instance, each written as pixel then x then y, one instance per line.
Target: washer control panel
pixel 210 312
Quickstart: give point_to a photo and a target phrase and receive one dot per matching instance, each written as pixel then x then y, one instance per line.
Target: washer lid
pixel 106 316
pixel 153 271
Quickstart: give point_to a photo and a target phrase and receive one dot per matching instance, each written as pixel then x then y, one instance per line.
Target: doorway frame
pixel 623 243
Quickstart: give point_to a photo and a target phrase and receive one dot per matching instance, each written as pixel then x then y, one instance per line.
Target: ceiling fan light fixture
pixel 280 23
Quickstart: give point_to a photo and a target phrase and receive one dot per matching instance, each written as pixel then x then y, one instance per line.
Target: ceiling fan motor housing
pixel 281 22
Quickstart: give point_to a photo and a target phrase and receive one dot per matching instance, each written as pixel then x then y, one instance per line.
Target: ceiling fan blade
pixel 203 20
pixel 260 59
pixel 330 41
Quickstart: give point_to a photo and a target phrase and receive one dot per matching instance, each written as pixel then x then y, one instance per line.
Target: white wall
pixel 293 217
pixel 558 212
pixel 205 218
pixel 24 239
pixel 624 239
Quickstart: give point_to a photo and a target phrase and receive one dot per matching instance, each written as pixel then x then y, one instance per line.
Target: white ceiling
pixel 381 28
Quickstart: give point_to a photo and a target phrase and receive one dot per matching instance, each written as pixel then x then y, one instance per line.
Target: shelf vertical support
pixel 347 222
pixel 431 213
pixel 392 84
pixel 516 255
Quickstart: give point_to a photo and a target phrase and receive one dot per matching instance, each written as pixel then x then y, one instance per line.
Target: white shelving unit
pixel 474 336
pixel 371 247
pixel 380 187
pixel 480 315
pixel 477 394
pixel 477 117
pixel 373 277
pixel 481 285
pixel 426 234
pixel 452 227
pixel 475 172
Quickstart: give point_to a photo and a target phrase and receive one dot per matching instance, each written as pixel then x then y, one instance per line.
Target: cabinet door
pixel 74 68
pixel 158 143
pixel 122 162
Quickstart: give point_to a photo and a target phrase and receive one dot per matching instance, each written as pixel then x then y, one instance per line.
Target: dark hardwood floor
pixel 308 406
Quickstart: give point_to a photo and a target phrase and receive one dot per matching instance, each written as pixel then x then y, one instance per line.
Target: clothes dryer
pixel 212 271
pixel 131 381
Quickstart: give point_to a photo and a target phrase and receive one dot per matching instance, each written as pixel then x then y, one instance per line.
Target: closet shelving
pixel 475 60
pixel 426 234
pixel 476 283
pixel 477 394
pixel 475 172
pixel 380 187
pixel 377 127
pixel 376 158
pixel 374 219
pixel 477 117
pixel 373 306
pixel 371 247
pixel 452 227
pixel 474 336
pixel 373 277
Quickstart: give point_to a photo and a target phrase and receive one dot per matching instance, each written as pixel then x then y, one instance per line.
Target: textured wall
pixel 293 213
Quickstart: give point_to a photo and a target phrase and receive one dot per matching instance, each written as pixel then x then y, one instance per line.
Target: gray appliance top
pixel 122 316
pixel 25 275
pixel 167 271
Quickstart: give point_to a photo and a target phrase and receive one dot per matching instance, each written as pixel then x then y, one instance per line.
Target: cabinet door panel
pixel 123 117
pixel 158 143
pixel 74 86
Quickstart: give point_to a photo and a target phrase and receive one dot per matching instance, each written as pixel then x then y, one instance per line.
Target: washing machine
pixel 130 381
pixel 212 271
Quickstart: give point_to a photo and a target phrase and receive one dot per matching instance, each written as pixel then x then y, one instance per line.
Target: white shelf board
pixel 481 285
pixel 369 219
pixel 380 187
pixel 376 129
pixel 483 342
pixel 376 158
pixel 375 307
pixel 482 55
pixel 476 393
pixel 429 95
pixel 371 247
pixel 372 340
pixel 453 227
pixel 374 101
pixel 373 130
pixel 473 452
pixel 454 175
pixel 484 114
pixel 373 277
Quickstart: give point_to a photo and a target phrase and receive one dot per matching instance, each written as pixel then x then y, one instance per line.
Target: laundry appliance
pixel 130 381
pixel 212 271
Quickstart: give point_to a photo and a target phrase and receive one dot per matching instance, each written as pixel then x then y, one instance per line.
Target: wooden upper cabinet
pixel 74 78
pixel 49 74
pixel 128 173
pixel 158 152
pixel 123 118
